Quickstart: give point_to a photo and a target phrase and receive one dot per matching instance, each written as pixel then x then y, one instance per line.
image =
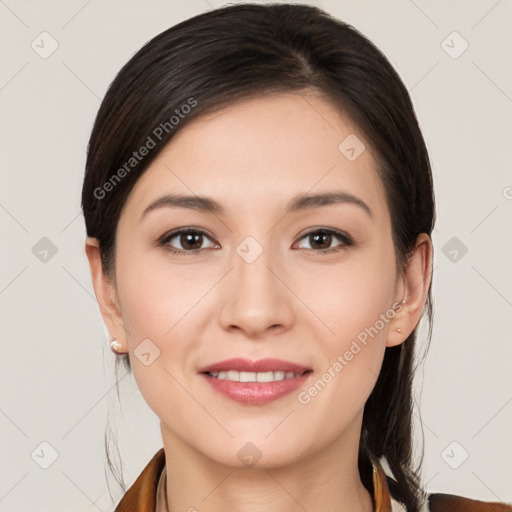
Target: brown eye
pixel 191 241
pixel 186 240
pixel 321 240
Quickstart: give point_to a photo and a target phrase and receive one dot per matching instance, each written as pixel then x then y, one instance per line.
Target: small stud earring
pixel 115 345
pixel 399 330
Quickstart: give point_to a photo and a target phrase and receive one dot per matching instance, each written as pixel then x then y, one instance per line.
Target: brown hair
pixel 249 50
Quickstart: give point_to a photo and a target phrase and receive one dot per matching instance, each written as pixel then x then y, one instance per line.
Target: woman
pixel 259 203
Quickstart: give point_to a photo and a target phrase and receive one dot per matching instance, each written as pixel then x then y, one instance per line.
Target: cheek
pixel 157 298
pixel 352 297
pixel 353 302
pixel 158 313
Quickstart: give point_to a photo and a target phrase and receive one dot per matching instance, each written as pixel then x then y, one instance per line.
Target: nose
pixel 256 297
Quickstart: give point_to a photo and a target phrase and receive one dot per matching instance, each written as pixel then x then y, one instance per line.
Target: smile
pixel 236 376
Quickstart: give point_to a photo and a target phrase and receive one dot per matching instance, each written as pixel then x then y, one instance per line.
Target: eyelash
pixel 347 240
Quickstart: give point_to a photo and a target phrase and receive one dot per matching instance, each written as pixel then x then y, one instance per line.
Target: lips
pixel 240 364
pixel 275 379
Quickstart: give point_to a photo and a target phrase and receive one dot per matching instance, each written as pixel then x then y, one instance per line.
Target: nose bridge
pixel 255 298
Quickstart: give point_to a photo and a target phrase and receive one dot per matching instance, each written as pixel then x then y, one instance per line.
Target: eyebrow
pixel 302 202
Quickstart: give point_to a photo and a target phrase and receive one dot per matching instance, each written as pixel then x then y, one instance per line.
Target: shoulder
pixel 438 502
pixel 141 496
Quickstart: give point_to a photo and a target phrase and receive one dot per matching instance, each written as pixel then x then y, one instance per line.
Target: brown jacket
pixel 141 496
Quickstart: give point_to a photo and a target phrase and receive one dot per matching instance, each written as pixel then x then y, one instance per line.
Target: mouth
pixel 255 382
pixel 236 376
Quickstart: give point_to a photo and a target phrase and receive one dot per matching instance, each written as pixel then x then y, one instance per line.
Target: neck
pixel 327 481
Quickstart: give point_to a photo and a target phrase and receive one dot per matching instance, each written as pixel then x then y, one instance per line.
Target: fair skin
pixel 291 303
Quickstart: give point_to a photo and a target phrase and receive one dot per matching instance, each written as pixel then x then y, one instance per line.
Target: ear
pixel 416 282
pixel 105 291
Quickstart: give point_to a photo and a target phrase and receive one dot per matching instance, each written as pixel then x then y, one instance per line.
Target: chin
pixel 244 453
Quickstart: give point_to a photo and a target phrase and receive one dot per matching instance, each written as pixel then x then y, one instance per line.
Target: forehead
pixel 259 152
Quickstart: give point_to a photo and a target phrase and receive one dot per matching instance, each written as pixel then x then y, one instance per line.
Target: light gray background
pixel 56 370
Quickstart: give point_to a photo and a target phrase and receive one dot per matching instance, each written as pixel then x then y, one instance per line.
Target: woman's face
pixel 258 282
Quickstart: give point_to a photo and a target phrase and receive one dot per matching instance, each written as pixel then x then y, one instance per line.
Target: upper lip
pixel 241 364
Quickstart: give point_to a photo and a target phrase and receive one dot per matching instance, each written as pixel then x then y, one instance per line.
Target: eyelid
pixel 169 235
pixel 345 238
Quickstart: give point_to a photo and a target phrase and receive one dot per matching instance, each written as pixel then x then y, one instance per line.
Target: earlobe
pixel 105 292
pixel 416 279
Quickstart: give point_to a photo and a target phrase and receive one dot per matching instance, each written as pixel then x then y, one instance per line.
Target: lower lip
pixel 256 393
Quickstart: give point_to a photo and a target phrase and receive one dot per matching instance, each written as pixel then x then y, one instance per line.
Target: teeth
pixel 254 377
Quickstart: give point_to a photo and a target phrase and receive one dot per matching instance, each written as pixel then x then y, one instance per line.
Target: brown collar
pixel 141 496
